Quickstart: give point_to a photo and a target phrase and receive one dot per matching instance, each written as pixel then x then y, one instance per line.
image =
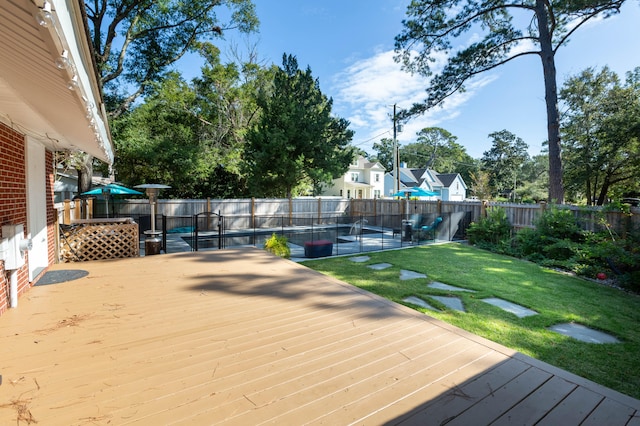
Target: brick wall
pixel 13 200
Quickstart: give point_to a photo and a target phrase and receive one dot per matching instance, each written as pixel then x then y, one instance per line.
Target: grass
pixel 557 297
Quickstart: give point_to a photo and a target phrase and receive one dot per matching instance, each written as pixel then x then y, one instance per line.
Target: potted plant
pixel 277 244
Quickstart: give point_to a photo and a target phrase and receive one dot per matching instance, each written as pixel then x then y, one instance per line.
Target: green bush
pixel 558 242
pixel 491 232
pixel 277 244
pixel 559 224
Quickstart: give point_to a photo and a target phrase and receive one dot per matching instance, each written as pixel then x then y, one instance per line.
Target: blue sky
pixel 348 44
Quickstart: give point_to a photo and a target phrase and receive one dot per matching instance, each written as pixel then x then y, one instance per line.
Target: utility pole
pixel 396 155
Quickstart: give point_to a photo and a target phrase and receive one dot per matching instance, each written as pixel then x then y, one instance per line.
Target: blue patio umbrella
pixel 414 192
pixel 112 189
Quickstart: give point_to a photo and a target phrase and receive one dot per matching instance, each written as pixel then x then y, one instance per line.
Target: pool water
pixel 297 237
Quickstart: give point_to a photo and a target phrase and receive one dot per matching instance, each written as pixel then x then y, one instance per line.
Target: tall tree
pixel 504 160
pixel 384 153
pixel 432 26
pixel 135 42
pixel 296 140
pixel 436 148
pixel 601 129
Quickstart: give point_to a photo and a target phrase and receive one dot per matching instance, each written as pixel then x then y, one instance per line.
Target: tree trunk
pixel 84 167
pixel 556 187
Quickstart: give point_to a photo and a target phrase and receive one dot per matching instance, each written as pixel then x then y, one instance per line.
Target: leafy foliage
pixel 504 160
pixel 296 141
pixel 601 130
pixel 136 41
pixel 557 241
pixel 433 27
pixel 491 232
pixel 277 244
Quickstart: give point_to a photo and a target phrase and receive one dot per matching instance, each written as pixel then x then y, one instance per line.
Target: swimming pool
pixel 339 234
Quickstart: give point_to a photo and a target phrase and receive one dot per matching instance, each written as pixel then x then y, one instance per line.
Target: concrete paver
pixel 517 310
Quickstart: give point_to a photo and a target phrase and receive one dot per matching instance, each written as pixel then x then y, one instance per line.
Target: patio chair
pixel 432 228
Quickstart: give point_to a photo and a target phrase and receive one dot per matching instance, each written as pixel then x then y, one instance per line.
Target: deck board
pixel 240 337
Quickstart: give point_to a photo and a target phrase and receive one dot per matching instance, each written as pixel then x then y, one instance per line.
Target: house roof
pixel 363 163
pixel 35 95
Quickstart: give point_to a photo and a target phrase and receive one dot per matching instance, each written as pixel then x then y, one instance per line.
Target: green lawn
pixel 557 297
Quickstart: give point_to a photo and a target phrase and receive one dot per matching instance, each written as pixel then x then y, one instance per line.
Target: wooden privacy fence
pixel 243 213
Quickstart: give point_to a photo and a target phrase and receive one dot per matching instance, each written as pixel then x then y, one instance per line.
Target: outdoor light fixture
pixel 44 17
pixel 62 62
pixel 73 83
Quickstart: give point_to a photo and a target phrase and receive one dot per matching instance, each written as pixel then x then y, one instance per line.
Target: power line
pixel 369 140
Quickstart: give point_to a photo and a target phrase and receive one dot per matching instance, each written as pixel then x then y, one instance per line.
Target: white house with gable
pixel 449 186
pixel 364 179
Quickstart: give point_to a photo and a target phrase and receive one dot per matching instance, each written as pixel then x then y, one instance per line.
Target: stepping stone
pixel 410 275
pixel 443 286
pixel 450 302
pixel 517 310
pixel 419 302
pixel 584 334
pixel 359 259
pixel 380 266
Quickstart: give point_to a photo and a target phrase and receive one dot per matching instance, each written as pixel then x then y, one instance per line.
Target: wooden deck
pixel 240 337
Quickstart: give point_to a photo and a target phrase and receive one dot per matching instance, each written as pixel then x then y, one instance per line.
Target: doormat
pixel 57 277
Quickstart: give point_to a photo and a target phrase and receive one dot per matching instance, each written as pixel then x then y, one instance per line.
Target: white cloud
pixel 365 92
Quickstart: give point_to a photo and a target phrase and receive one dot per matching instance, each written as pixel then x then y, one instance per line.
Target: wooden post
pixel 483 209
pixel 77 214
pixel 319 210
pixel 90 208
pixel 290 211
pixel 375 212
pixel 253 212
pixel 67 212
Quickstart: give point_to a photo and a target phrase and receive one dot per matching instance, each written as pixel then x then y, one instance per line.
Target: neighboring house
pixel 50 100
pixel 363 180
pixel 450 186
pixel 65 186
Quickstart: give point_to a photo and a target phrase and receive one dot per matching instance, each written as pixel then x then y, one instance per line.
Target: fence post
pixel 67 212
pixel 253 213
pixel 483 209
pixel 319 210
pixel 90 208
pixel 77 214
pixel 290 211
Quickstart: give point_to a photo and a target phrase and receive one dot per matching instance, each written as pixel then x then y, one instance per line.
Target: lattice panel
pixel 99 241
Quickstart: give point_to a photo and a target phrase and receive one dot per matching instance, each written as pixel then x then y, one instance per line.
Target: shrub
pixel 493 231
pixel 559 224
pixel 278 245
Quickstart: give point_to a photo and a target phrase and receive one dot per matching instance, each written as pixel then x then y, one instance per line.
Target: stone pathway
pixel 380 266
pixel 410 275
pixel 419 302
pixel 517 310
pixel 576 331
pixel 450 302
pixel 447 287
pixel 583 334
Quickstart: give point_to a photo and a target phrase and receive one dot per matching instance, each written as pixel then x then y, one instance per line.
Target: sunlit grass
pixel 557 297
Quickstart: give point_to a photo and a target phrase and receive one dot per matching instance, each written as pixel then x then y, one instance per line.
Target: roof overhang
pixel 35 95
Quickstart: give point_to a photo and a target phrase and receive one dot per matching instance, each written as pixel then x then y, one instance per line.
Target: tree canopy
pixel 601 130
pixel 296 142
pixel 504 161
pixel 136 41
pixel 492 34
